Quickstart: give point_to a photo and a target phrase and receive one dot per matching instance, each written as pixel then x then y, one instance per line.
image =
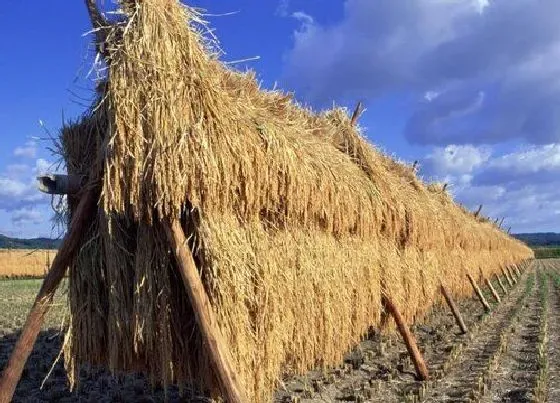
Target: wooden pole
pixel 61 184
pixel 507 277
pixel 220 361
pixel 409 340
pixel 479 293
pixel 501 284
pixel 454 309
pixel 512 275
pixel 517 271
pixel 356 114
pixel 68 249
pixel 477 213
pixel 494 293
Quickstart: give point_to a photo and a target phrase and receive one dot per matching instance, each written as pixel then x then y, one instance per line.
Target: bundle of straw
pixel 294 220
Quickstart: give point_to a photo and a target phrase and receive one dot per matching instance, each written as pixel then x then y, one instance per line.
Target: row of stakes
pixel 511 275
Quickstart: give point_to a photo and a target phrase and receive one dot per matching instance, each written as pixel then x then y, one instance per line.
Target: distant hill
pixel 34 243
pixel 540 238
pixel 532 239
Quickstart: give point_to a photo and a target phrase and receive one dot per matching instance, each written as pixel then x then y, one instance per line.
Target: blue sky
pixel 470 88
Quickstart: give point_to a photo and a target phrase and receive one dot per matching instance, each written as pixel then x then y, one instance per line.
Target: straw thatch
pixel 295 221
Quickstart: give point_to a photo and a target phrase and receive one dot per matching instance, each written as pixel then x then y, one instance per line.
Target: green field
pixel 549 252
pixel 16 298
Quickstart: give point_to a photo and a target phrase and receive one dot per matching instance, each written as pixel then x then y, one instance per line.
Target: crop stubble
pixel 497 361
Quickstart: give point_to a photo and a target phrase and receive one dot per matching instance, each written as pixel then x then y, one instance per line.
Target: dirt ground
pixel 511 354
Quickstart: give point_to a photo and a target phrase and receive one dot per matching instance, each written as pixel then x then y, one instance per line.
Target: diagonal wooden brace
pixel 493 290
pixel 454 310
pixel 501 284
pixel 510 282
pixel 32 327
pixel 409 340
pixel 207 324
pixel 479 294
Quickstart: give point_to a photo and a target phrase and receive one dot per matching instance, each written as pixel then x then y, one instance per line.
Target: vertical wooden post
pixel 479 294
pixel 517 271
pixel 507 277
pixel 501 284
pixel 494 293
pixel 454 309
pixel 68 249
pixel 409 340
pixel 220 360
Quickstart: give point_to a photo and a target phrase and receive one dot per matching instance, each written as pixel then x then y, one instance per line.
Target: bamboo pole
pixel 479 293
pixel 409 340
pixel 35 318
pixel 494 293
pixel 454 309
pixel 501 284
pixel 507 277
pixel 220 361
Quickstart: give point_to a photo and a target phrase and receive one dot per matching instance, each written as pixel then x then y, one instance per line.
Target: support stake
pixel 220 361
pixel 501 284
pixel 507 277
pixel 479 293
pixel 454 309
pixel 409 340
pixel 494 293
pixel 512 275
pixel 35 318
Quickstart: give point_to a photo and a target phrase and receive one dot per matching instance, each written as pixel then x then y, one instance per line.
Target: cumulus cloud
pixel 18 188
pixel 522 186
pixel 492 63
pixel 454 160
pixel 27 216
pixel 535 165
pixel 29 150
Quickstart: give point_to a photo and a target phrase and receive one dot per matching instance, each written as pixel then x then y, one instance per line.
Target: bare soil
pixel 511 354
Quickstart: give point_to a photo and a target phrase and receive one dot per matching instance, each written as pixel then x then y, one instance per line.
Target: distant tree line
pixel 33 243
pixel 539 238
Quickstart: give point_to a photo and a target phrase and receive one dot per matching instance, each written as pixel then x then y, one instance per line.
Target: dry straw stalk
pixel 294 220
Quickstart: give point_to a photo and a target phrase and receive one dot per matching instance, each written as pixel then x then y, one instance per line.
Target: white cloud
pixel 304 18
pixel 431 95
pixel 531 159
pixel 455 160
pixel 523 186
pixel 12 188
pixel 27 216
pixel 29 150
pixel 42 166
pixel 481 5
pixel 18 187
pixel 282 9
pixel 493 63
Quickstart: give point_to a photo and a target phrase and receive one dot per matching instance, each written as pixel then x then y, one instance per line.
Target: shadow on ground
pixel 95 385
